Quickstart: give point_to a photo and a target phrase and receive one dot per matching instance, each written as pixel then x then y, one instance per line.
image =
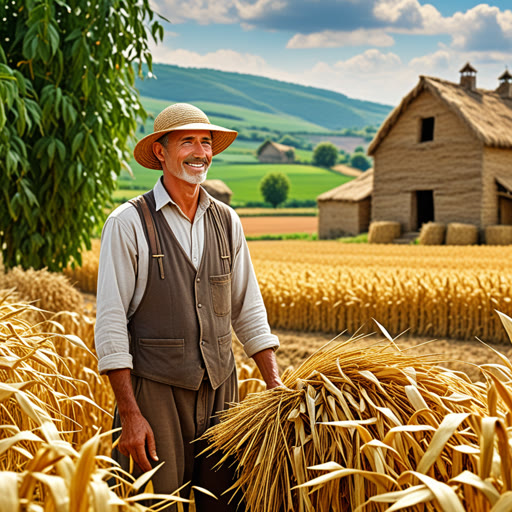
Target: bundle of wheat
pixel 461 234
pixel 432 233
pixel 498 235
pixel 381 425
pixel 383 232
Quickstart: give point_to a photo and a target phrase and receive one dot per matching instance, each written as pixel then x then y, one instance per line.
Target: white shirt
pixel 123 272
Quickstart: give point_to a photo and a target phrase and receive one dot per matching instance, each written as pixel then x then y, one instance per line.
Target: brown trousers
pixel 178 416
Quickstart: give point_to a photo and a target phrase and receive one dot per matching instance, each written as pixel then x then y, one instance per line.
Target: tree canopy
pixel 359 161
pixel 325 154
pixel 274 188
pixel 68 110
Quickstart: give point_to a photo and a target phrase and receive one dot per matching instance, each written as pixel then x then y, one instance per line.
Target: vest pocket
pixel 220 287
pixel 160 342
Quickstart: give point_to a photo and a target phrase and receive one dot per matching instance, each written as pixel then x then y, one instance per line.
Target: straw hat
pixel 180 116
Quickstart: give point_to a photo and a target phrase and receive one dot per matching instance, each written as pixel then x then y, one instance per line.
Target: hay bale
pixel 461 234
pixel 432 233
pixel 383 232
pixel 498 235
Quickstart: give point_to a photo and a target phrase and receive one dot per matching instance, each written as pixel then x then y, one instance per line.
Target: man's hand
pixel 135 434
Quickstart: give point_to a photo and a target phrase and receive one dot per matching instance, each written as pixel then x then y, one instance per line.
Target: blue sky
pixel 366 49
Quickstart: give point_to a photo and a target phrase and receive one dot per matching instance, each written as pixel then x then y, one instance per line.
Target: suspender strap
pixel 221 234
pixel 154 242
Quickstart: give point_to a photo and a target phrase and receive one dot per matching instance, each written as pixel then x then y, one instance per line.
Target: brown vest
pixel 182 327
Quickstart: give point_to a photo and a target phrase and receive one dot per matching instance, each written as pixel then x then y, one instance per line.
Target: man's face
pixel 188 155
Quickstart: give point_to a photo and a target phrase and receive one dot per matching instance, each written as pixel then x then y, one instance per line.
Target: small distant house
pixel 346 210
pixel 273 153
pixel 445 155
pixel 219 190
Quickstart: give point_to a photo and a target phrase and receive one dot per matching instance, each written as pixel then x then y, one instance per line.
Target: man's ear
pixel 158 150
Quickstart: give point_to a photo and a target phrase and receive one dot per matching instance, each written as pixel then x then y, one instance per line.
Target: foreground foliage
pixel 68 108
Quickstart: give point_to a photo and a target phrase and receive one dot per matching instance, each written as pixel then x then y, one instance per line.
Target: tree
pixel 325 154
pixel 359 161
pixel 68 109
pixel 359 149
pixel 274 188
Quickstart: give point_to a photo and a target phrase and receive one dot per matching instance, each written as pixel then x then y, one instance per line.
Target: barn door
pixel 505 210
pixel 424 207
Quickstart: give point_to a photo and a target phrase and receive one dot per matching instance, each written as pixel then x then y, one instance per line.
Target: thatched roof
pixel 487 114
pixel 356 190
pixel 283 148
pixel 218 186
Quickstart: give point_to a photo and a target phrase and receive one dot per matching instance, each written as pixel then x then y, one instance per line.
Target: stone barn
pixel 273 153
pixel 346 210
pixel 445 155
pixel 218 189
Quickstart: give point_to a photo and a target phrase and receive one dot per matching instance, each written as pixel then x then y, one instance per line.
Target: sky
pixel 367 49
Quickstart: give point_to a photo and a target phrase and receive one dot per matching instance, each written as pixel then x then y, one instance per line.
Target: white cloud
pixel 409 14
pixel 200 11
pixel 258 9
pixel 371 61
pixel 335 39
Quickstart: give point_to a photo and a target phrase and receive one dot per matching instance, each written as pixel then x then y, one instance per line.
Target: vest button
pixel 198 279
pixel 199 305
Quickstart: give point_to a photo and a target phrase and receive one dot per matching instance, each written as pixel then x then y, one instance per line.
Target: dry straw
pixel 46 461
pixel 85 276
pixel 373 429
pixel 498 235
pixel 461 234
pixel 383 232
pixel 432 233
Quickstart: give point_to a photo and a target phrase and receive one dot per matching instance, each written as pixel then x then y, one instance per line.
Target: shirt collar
pixel 162 197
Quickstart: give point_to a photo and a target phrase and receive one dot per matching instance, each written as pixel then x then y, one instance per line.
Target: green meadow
pixel 307 181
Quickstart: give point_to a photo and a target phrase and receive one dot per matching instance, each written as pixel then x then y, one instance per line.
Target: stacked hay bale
pixel 361 429
pixel 461 234
pixel 498 235
pixel 432 233
pixel 383 232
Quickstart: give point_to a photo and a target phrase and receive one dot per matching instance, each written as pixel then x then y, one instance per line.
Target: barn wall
pixel 337 218
pixel 496 162
pixel 450 165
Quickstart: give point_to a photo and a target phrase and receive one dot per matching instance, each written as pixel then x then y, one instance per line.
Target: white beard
pixel 193 179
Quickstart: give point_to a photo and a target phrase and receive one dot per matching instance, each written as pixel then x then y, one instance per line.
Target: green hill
pixel 318 109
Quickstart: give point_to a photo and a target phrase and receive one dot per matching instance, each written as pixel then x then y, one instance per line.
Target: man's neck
pixel 185 195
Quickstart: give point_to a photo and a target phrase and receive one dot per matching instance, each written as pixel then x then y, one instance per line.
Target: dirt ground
pixel 255 226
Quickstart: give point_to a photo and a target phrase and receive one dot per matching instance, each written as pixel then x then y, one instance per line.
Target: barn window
pixel 427 129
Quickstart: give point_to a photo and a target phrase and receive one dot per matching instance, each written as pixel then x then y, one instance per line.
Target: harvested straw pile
pixel 85 276
pixel 432 233
pixel 360 429
pixel 461 234
pixel 498 235
pixel 46 461
pixel 50 291
pixel 383 232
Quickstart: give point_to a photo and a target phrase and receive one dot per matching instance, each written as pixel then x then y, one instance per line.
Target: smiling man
pixel 175 275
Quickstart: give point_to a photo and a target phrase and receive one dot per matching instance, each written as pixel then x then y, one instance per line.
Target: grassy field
pixel 238 117
pixel 307 181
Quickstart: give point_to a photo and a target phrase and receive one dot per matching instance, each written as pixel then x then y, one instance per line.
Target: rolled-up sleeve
pixel 116 284
pixel 248 315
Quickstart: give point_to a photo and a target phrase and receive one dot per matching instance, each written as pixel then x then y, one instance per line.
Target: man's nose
pixel 199 149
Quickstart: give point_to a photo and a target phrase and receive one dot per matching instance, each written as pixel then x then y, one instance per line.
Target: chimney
pixel 505 87
pixel 468 77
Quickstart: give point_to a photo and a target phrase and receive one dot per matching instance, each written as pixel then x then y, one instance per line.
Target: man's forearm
pixel 121 383
pixel 267 364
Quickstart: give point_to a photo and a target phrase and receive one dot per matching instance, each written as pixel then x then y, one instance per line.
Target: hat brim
pixel 143 152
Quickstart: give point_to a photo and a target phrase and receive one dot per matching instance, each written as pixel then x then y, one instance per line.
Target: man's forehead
pixel 188 134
